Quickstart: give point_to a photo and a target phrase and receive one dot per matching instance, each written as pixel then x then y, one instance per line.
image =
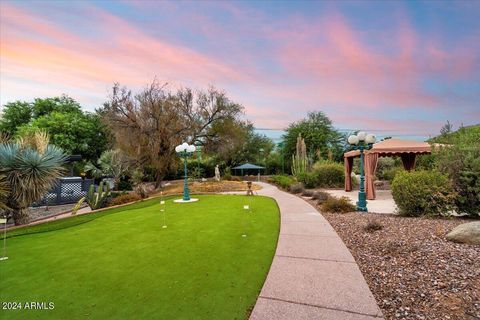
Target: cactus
pixel 99 199
pixel 299 159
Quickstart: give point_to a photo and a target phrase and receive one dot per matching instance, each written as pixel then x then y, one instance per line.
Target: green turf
pixel 120 264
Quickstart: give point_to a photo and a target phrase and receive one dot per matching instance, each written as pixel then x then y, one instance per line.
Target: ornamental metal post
pixel 185 150
pixel 186 193
pixel 362 142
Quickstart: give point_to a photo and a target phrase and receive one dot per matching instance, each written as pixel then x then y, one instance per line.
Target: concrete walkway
pixel 313 275
pixel 383 203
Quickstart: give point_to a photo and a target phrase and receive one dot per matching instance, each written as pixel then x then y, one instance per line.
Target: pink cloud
pixel 303 64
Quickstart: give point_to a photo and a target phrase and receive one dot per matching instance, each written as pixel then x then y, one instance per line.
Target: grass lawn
pixel 121 264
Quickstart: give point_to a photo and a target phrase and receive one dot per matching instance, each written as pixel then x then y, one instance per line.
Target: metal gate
pixel 66 190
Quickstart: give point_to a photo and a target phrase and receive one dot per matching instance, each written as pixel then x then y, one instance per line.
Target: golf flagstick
pixel 162 209
pixel 246 208
pixel 4 221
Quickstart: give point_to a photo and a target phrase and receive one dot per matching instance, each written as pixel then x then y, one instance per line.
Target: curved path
pixel 313 275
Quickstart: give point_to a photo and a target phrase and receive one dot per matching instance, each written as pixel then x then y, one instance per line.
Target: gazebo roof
pixel 394 146
pixel 248 166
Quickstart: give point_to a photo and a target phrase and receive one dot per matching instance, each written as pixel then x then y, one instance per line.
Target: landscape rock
pixel 466 233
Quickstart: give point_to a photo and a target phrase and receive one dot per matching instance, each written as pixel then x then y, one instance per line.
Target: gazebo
pixel 407 150
pixel 247 167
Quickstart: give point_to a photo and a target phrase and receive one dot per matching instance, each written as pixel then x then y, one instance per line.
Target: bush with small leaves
pixel 372 225
pixel 338 205
pixel 329 174
pixel 321 196
pixel 124 198
pixel 420 193
pixel 308 193
pixel 297 188
pixel 309 179
pixel 282 181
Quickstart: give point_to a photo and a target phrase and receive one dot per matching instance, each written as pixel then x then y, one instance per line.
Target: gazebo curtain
pixel 408 160
pixel 371 160
pixel 348 173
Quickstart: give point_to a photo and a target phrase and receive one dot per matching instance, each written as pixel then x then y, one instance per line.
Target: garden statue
pixel 217 173
pixel 249 191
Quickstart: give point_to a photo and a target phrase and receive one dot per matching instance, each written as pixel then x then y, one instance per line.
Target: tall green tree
pixel 19 113
pixel 75 133
pixel 14 115
pixel 319 135
pixel 70 128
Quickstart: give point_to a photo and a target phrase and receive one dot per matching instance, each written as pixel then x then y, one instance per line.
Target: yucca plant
pixel 4 189
pixel 31 167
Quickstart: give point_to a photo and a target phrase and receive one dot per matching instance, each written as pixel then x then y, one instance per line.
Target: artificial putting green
pixel 121 264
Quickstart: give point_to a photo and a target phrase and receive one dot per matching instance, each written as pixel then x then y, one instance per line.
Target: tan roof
pixel 392 146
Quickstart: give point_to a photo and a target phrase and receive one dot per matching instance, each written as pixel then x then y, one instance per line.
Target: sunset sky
pixel 401 67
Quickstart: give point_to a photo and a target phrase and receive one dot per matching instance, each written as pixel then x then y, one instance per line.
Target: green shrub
pixel 337 205
pixel 309 179
pixel 124 198
pixel 321 196
pixel 297 188
pixel 461 161
pixel 423 193
pixel 283 182
pixel 330 174
pixel 124 185
pixel 372 225
pixel 389 174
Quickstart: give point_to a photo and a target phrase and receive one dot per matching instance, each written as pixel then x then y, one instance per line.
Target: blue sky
pixel 402 67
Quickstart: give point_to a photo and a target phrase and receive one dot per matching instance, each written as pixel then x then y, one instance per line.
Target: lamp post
pixel 362 141
pixel 185 150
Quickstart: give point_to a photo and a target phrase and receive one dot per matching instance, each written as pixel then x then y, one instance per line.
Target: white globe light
pixel 361 136
pixel 191 148
pixel 185 145
pixel 370 138
pixel 178 148
pixel 353 139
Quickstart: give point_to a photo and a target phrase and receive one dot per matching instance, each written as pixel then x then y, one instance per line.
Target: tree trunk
pixel 20 216
pixel 159 180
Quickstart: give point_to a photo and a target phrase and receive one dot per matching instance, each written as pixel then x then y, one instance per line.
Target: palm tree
pixel 112 163
pixel 31 167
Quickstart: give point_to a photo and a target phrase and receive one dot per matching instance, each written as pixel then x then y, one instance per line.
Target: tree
pixel 149 125
pixel 446 129
pixel 319 135
pixel 20 113
pixel 74 132
pixel 30 167
pixel 71 129
pixel 249 147
pixel 14 115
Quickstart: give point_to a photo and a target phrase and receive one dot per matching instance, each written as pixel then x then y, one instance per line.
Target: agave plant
pixel 31 167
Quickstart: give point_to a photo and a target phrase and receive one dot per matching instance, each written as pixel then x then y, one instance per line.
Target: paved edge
pixel 313 274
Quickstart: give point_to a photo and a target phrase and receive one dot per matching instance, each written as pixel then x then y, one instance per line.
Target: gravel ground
pixel 37 213
pixel 412 270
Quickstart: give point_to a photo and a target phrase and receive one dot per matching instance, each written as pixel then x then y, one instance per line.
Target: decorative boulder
pixel 466 233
